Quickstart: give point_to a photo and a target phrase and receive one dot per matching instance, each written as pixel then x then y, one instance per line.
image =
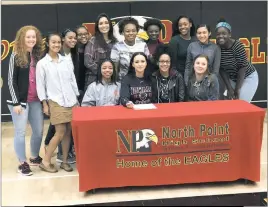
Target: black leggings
pixel 50 133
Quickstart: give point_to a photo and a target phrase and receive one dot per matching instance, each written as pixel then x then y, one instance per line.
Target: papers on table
pixel 144 106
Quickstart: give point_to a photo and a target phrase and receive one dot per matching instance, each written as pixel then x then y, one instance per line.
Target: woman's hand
pixel 236 93
pixel 17 109
pixel 130 105
pixel 231 93
pixel 46 109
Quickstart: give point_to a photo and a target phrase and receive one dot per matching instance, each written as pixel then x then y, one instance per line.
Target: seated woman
pixel 105 90
pixel 167 83
pixel 202 85
pixel 136 86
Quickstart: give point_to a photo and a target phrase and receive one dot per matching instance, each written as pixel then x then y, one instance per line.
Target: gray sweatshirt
pixel 106 94
pixel 196 48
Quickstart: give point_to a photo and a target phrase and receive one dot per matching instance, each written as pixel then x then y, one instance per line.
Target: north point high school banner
pixel 202 145
pixel 249 26
pixel 176 143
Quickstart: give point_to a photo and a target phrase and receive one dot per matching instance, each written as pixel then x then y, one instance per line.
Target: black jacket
pixel 176 86
pixel 18 82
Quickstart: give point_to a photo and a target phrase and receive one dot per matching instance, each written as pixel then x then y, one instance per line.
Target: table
pixel 176 143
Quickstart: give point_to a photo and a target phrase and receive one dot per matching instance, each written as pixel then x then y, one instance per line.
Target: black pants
pixel 50 133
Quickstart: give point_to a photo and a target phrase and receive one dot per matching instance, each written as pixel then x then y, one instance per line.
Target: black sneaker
pixel 36 161
pixel 24 169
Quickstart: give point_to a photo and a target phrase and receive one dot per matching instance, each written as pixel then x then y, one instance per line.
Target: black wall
pixel 248 19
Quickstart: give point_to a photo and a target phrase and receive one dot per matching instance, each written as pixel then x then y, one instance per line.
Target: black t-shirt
pixel 82 71
pixel 163 89
pixel 137 90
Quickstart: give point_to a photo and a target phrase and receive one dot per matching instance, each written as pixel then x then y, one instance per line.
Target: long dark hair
pixel 49 35
pixel 131 69
pixel 99 74
pixel 99 36
pixel 175 26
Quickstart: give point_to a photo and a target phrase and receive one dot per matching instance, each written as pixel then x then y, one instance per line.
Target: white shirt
pixel 56 81
pixel 69 57
pixel 122 53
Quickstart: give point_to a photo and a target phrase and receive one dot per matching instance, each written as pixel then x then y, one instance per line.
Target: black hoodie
pixel 137 90
pixel 175 84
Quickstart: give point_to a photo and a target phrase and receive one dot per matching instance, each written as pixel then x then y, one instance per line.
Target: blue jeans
pixel 34 113
pixel 249 87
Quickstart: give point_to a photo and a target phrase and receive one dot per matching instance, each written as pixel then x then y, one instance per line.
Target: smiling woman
pixel 183 35
pixel 99 47
pixel 202 46
pixel 23 102
pixel 122 51
pixel 202 85
pixel 136 85
pixel 239 75
pixel 58 91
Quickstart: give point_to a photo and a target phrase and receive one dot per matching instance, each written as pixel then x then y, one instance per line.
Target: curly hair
pixel 162 50
pixel 128 20
pixel 20 49
pixel 153 22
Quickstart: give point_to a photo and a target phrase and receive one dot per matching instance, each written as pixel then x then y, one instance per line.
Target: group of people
pixel 78 69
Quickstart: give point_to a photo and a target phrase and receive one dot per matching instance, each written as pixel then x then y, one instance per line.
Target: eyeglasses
pixel 163 62
pixel 83 34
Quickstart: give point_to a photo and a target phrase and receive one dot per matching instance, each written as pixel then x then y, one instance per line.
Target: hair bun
pixel 221 20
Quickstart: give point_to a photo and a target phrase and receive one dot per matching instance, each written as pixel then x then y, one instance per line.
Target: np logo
pixel 136 140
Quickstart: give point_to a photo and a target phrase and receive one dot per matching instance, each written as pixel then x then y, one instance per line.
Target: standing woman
pixel 239 75
pixel 83 36
pixel 69 51
pixel 153 28
pixel 99 47
pixel 23 102
pixel 203 46
pixel 105 90
pixel 136 86
pixel 57 89
pixel 167 83
pixel 202 85
pixel 183 34
pixel 122 51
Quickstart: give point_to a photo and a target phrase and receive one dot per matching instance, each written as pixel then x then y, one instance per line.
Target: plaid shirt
pixel 93 55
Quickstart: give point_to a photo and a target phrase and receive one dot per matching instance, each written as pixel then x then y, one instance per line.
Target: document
pixel 144 106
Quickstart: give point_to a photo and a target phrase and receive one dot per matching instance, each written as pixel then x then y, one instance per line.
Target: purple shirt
pixel 32 93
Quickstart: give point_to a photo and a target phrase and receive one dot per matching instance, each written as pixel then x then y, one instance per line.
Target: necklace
pixel 140 79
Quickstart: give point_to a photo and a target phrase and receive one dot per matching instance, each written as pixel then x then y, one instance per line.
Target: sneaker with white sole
pixel 70 160
pixel 25 169
pixel 36 161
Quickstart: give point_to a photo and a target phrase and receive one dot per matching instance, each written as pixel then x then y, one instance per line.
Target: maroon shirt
pixel 32 92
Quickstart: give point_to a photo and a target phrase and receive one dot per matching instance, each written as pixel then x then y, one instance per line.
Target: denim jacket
pixel 205 90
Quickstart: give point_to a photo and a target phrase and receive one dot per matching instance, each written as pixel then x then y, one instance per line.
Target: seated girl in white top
pixel 105 90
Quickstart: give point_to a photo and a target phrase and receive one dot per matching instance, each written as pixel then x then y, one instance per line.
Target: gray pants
pixel 249 87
